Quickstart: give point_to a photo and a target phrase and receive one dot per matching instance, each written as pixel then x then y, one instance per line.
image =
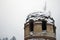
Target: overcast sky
pixel 14 12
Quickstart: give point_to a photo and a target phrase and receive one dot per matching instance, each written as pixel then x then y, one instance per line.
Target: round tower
pixel 39 26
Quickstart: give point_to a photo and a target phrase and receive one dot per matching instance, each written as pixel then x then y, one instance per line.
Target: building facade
pixel 13 38
pixel 5 38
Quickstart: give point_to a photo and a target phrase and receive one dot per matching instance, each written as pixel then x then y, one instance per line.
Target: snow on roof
pixel 40 15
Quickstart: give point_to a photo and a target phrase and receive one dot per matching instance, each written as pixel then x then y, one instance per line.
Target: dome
pixel 40 15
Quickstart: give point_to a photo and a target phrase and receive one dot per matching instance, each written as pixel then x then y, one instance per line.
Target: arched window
pixel 44 23
pixel 31 25
pixel 54 29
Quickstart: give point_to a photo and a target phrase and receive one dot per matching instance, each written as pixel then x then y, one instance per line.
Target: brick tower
pixel 40 26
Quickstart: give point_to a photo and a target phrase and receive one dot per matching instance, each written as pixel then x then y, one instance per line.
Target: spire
pixel 45 6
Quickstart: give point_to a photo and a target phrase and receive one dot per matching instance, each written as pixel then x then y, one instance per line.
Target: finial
pixel 50 13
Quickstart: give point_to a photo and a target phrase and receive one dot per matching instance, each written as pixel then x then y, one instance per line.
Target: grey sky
pixel 13 14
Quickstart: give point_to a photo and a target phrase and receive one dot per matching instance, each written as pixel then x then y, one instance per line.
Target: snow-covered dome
pixel 40 15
